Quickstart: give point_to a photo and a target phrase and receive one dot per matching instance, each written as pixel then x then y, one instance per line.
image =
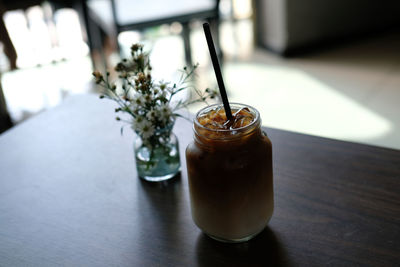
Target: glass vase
pixel 158 159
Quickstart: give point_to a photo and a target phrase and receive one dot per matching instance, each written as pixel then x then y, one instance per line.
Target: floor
pixel 351 92
pixel 348 92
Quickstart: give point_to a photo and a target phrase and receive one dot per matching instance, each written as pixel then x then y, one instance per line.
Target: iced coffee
pixel 229 167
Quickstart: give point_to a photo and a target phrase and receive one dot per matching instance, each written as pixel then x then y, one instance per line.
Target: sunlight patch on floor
pixel 32 90
pixel 293 100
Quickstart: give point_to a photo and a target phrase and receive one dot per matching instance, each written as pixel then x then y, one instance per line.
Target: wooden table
pixel 69 196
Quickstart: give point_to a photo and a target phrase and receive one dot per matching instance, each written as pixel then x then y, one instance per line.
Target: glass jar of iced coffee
pixel 229 167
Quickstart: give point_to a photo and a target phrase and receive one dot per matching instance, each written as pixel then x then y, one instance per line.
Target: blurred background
pixel 327 68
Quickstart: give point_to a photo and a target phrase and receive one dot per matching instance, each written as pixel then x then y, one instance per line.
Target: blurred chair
pixel 10 5
pixel 5 120
pixel 9 49
pixel 115 16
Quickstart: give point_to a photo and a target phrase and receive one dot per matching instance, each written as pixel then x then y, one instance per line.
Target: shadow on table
pixel 263 250
pixel 162 210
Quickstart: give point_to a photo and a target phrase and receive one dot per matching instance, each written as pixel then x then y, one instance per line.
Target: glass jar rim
pixel 234 105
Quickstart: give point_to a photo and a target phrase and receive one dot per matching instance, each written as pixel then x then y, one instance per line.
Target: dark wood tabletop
pixel 70 196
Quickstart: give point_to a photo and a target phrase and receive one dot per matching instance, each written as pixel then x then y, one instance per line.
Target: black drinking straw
pixel 217 70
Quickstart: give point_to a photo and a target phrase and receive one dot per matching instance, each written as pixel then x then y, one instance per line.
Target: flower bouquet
pixel 152 111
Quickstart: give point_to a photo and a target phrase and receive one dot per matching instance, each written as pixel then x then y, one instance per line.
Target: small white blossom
pixel 135 110
pixel 152 115
pixel 163 86
pixel 119 91
pixel 160 93
pixel 146 129
pixel 137 123
pixel 164 112
pixel 147 98
pixel 138 100
pixel 131 94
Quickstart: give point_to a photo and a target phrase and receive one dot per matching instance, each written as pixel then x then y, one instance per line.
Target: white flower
pixel 159 93
pixel 147 98
pixel 135 110
pixel 137 123
pixel 156 92
pixel 146 129
pixel 152 114
pixel 138 100
pixel 162 94
pixel 163 85
pixel 164 112
pixel 131 93
pixel 119 91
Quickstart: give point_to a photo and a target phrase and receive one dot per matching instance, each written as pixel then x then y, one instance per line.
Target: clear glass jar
pixel 230 179
pixel 159 159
